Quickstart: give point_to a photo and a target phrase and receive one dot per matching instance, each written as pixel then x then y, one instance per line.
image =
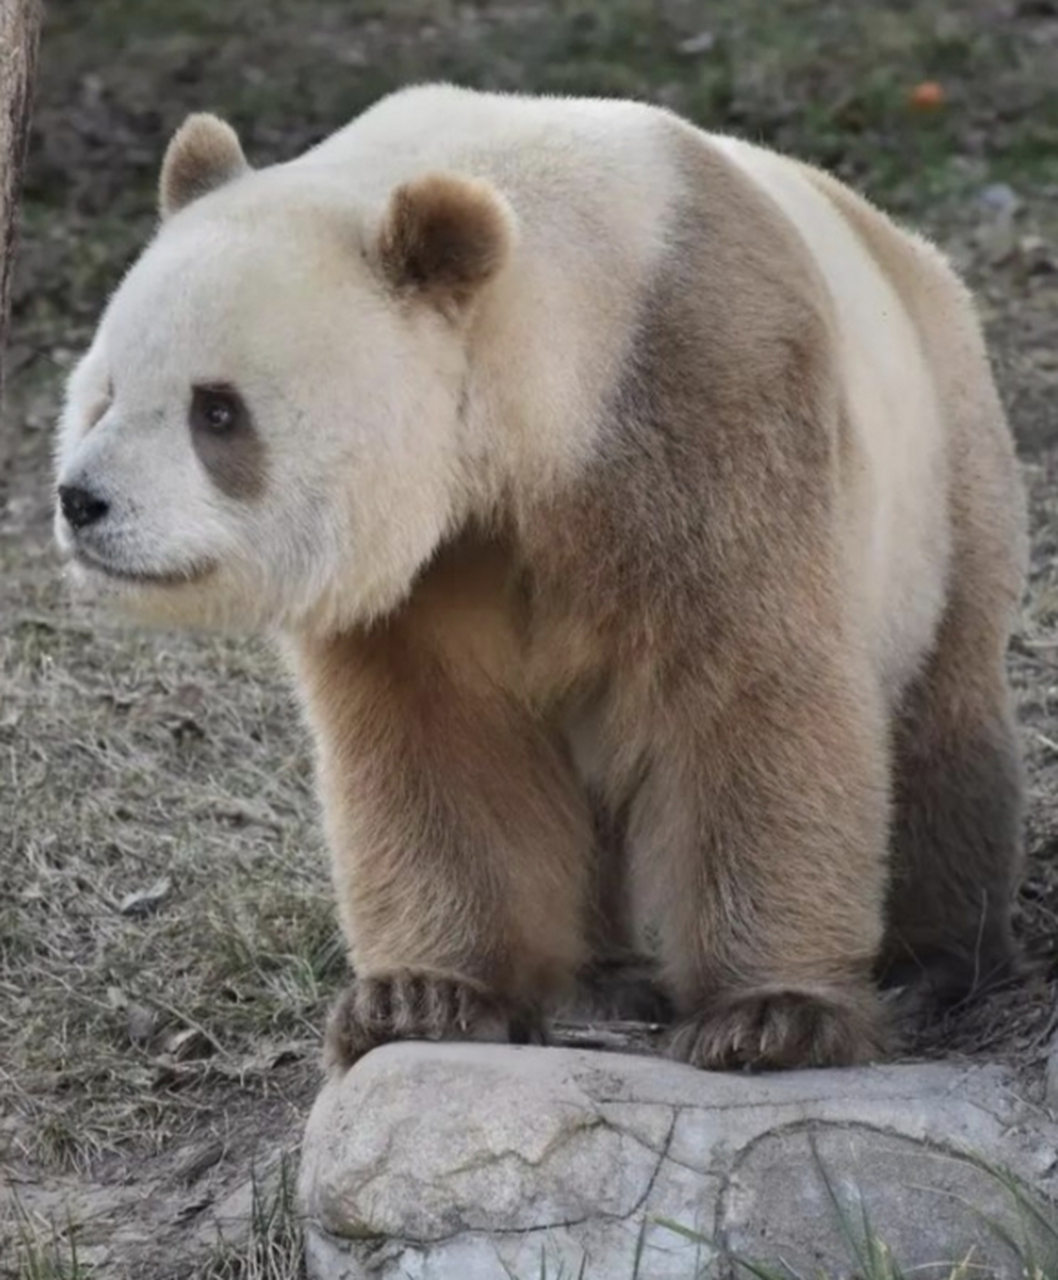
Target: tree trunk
pixel 19 32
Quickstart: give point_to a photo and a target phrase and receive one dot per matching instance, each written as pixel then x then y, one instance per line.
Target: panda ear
pixel 444 237
pixel 203 154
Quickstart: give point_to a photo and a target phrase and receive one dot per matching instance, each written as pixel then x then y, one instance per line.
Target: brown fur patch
pixel 957 832
pixel 461 844
pixel 236 461
pixel 699 554
pixel 417 1005
pixel 769 1030
pixel 444 237
pixel 203 154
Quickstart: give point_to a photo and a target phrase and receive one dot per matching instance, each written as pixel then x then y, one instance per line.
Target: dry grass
pixel 148 1039
pixel 269 1247
pixel 136 759
pixel 147 1058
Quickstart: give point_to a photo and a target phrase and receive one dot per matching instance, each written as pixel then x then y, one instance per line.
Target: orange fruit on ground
pixel 927 96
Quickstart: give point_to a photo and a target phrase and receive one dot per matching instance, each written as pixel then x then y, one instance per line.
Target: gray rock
pixel 477 1162
pixel 703 42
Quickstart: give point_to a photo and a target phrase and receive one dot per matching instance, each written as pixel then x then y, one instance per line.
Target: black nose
pixel 80 507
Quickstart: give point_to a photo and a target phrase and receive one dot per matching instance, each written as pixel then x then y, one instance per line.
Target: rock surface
pixel 475 1162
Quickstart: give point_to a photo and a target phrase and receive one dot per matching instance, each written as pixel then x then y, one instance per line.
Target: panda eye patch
pixel 226 442
pixel 217 410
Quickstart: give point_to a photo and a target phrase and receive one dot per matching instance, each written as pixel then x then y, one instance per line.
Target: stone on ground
pixel 483 1162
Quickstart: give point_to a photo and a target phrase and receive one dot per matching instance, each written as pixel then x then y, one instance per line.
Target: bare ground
pixel 155 1050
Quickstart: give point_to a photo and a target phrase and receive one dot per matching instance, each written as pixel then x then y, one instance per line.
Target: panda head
pixel 266 430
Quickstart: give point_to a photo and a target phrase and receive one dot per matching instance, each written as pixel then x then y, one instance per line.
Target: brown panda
pixel 640 518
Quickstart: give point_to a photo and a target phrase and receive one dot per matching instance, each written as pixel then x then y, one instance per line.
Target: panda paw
pixel 410 1004
pixel 781 1028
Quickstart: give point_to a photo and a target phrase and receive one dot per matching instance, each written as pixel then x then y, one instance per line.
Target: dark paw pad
pixel 783 1029
pixel 619 991
pixel 408 1005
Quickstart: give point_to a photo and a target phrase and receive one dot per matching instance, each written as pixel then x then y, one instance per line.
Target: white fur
pixel 269 283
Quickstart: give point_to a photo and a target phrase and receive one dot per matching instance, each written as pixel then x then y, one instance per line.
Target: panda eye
pixel 218 411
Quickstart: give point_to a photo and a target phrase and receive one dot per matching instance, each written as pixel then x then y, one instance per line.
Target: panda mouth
pixel 144 577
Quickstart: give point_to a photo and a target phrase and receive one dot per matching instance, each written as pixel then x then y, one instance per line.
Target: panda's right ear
pixel 204 154
pixel 443 237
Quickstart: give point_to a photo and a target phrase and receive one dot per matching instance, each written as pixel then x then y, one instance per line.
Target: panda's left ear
pixel 204 154
pixel 444 237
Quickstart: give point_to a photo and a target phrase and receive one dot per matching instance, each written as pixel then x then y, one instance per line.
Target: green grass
pixel 42 1251
pixel 274 1247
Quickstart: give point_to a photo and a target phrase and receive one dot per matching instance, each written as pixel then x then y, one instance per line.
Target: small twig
pixel 1043 739
pixel 190 1022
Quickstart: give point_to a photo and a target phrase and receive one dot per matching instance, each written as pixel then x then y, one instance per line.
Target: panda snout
pixel 81 507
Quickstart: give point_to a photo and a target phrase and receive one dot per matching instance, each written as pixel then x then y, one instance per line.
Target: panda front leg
pixel 758 843
pixel 460 843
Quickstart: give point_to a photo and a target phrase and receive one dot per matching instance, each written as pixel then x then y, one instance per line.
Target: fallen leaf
pixel 198 1162
pixel 192 1209
pixel 188 1042
pixel 143 901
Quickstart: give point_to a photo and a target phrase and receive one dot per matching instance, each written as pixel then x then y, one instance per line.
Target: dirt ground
pixel 167 940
